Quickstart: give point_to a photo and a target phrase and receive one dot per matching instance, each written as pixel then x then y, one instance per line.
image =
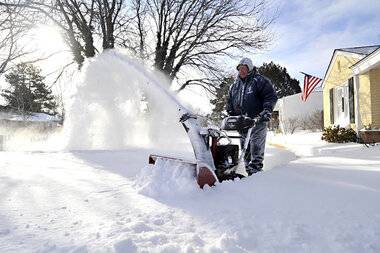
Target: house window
pixel 331 93
pixel 342 104
pixel 351 101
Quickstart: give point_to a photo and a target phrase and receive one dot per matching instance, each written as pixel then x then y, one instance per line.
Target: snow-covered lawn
pixel 323 198
pixel 32 117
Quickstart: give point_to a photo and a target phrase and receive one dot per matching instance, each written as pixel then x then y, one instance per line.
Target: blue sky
pixel 307 32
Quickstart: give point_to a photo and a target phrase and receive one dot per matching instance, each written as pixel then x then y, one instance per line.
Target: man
pixel 252 95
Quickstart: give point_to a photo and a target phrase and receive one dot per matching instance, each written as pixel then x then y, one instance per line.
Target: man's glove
pixel 239 123
pixel 246 122
pixel 264 116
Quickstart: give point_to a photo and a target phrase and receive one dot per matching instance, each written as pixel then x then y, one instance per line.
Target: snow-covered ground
pixel 41 117
pixel 325 199
pixel 312 196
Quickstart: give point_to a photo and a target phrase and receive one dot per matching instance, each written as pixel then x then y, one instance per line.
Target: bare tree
pixel 108 15
pixel 313 121
pixel 79 20
pixel 131 29
pixel 290 125
pixel 12 28
pixel 195 33
pixel 174 34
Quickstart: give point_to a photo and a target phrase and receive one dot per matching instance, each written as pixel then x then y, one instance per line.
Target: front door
pixel 342 115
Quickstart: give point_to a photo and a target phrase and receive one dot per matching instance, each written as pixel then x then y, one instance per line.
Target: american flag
pixel 309 83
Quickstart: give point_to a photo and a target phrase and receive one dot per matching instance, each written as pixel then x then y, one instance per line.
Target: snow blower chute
pixel 215 162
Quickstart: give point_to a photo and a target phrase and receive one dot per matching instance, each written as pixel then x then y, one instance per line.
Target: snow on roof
pixel 366 50
pixel 366 58
pixel 40 117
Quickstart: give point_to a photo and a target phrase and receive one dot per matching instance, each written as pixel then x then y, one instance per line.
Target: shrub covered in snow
pixel 339 134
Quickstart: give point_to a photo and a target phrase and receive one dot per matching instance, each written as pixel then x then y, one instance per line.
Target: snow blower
pixel 215 161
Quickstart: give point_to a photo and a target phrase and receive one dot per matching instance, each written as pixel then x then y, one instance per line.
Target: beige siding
pixel 365 99
pixel 339 74
pixel 375 96
pixel 326 108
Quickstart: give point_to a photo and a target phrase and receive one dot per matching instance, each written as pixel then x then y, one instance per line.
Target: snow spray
pixel 120 103
pixel 115 102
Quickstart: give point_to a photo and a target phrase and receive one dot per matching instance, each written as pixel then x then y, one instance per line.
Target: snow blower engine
pixel 217 159
pixel 226 156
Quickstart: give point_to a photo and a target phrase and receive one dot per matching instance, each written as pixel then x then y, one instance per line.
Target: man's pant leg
pixel 257 148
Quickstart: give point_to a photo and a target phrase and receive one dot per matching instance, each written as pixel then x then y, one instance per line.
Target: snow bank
pixel 166 179
pixel 305 143
pixel 302 143
pixel 125 246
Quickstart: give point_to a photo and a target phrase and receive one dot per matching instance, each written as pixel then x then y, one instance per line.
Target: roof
pixel 366 57
pixel 360 50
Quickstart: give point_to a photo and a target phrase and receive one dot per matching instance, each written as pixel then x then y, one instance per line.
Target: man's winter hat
pixel 247 62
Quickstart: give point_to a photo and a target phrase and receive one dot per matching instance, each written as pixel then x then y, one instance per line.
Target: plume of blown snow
pixel 119 103
pixel 114 102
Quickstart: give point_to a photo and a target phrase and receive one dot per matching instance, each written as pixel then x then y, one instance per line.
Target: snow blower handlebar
pixel 238 123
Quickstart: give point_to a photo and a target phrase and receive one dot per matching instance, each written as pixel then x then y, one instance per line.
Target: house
pixel 293 113
pixel 351 89
pixel 11 122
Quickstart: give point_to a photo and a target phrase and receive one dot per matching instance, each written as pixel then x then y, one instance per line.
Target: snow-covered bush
pixel 339 134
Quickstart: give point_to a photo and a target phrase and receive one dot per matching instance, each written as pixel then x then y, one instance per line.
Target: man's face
pixel 243 71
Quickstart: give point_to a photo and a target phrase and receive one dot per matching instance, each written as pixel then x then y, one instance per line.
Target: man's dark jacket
pixel 251 96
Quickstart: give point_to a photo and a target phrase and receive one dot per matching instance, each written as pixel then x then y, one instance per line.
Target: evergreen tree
pixel 27 92
pixel 281 80
pixel 219 102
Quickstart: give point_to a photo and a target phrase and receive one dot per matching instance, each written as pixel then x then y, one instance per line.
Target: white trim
pixel 370 62
pixel 337 53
